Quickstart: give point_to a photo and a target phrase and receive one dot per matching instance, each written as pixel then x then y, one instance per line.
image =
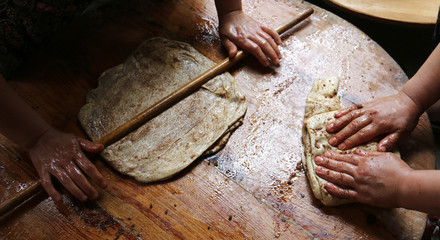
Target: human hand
pixel 61 155
pixel 372 178
pixel 395 116
pixel 238 30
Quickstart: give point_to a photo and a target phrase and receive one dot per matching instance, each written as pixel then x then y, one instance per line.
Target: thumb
pixel 230 47
pixel 388 143
pixel 89 146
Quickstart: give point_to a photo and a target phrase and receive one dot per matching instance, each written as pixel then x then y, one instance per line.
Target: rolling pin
pixel 155 110
pixel 186 90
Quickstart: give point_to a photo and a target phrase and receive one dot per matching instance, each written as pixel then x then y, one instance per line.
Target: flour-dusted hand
pixel 394 116
pixel 374 178
pixel 238 30
pixel 52 152
pixel 61 155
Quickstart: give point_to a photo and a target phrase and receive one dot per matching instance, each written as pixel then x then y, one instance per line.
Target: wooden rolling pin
pixel 154 110
pixel 186 90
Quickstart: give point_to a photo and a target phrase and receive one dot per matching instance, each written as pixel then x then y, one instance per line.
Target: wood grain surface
pixel 255 187
pixel 422 13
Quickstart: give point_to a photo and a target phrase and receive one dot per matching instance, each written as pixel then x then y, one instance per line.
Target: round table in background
pixel 255 187
pixel 422 13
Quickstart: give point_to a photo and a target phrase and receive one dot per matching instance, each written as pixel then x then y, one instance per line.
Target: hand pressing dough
pixel 321 105
pixel 174 139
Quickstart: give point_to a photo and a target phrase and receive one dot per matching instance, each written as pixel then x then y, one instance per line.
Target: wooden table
pixel 421 13
pixel 255 187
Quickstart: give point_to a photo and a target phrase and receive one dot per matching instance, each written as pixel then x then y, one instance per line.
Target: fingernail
pixel 328 154
pixel 318 169
pixel 332 141
pixel 342 146
pixel 382 149
pixel 318 160
pixel 330 126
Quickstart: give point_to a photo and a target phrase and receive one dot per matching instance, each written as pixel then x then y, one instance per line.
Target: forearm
pixel 18 121
pixel 421 191
pixel 226 6
pixel 424 87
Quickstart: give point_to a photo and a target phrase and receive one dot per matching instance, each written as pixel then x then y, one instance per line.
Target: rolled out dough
pixel 321 105
pixel 174 139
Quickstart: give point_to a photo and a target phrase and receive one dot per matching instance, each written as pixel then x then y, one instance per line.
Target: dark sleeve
pixel 25 25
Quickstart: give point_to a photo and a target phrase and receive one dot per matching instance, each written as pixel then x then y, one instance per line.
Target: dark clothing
pixel 25 24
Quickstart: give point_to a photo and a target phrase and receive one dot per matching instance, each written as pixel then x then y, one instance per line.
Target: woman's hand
pixel 373 178
pixel 238 30
pixel 61 155
pixel 395 116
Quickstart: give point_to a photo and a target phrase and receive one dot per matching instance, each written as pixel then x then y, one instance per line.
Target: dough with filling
pixel 321 105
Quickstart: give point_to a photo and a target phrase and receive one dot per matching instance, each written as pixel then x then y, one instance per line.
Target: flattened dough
pixel 171 141
pixel 321 105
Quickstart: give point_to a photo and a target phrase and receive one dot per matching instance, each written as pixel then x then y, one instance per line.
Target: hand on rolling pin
pixel 52 152
pixel 238 30
pixel 373 178
pixel 61 155
pixel 395 116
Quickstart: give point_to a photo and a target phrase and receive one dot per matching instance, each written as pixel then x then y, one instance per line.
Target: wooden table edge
pixel 367 16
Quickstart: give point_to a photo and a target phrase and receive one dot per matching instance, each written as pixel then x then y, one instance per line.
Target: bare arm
pixel 52 152
pixel 238 30
pixel 424 87
pixel 16 123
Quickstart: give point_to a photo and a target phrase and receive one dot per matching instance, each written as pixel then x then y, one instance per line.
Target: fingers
pixel 250 35
pixel 364 153
pixel 364 135
pixel 344 193
pixel 273 34
pixel 230 47
pixel 388 143
pixel 361 152
pixel 359 131
pixel 267 46
pixel 90 169
pixel 89 146
pixel 259 43
pixel 335 165
pixel 348 158
pixel 273 45
pixel 335 176
pixel 353 133
pixel 344 111
pixel 48 186
pixel 255 50
pixel 68 183
pixel 81 182
pixel 343 120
